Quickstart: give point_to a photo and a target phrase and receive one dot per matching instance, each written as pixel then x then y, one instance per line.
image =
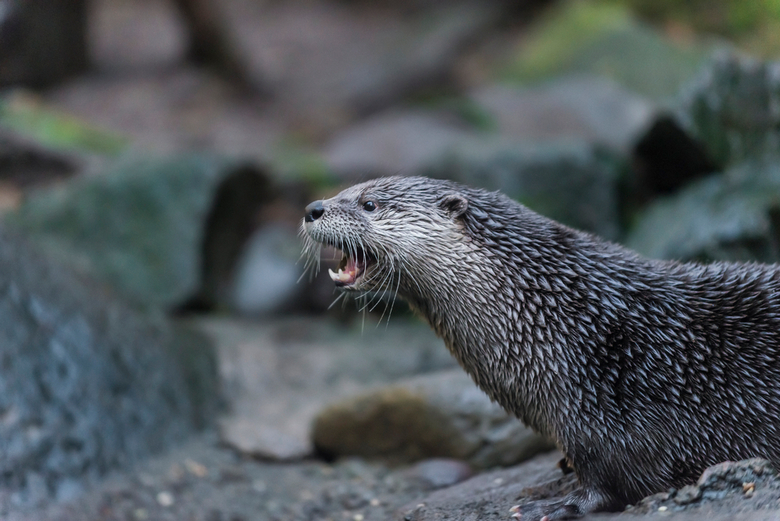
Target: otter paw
pixel 545 510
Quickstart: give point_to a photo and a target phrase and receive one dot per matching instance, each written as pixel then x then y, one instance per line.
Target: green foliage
pixel 25 115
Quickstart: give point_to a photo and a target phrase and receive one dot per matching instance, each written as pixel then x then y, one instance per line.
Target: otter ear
pixel 455 204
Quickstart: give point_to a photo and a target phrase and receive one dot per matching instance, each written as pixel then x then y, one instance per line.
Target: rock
pixel 585 107
pixel 573 182
pixel 487 496
pixel 267 272
pixel 733 109
pixel 432 416
pixel 606 40
pixel 753 479
pixel 436 473
pixel 730 216
pixel 277 376
pixel 87 383
pixel 159 230
pixel 396 142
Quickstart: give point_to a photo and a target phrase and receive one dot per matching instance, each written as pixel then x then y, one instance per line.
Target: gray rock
pixel 436 473
pixel 87 383
pixel 397 142
pixel 431 416
pixel 268 270
pixel 733 109
pixel 159 230
pixel 277 376
pixel 754 481
pixel 573 182
pixel 489 496
pixel 586 107
pixel 730 216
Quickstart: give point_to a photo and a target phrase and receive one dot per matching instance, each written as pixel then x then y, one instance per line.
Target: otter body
pixel 644 372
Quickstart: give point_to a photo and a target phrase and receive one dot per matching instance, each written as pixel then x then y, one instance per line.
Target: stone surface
pixel 573 182
pixel 730 216
pixel 278 375
pixel 605 39
pixel 267 273
pixel 159 230
pixel 433 416
pixel 87 383
pixel 754 479
pixel 396 142
pixel 733 109
pixel 586 107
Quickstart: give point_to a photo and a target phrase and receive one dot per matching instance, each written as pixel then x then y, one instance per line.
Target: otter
pixel 644 372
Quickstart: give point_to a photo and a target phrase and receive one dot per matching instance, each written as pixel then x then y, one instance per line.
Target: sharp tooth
pixel 333 275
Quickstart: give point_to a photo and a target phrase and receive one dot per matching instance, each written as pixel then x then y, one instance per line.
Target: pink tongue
pixel 347 274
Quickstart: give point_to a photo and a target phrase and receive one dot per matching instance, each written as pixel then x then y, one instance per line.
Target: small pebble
pixel 748 488
pixel 358 517
pixel 141 514
pixel 662 509
pixel 165 499
pixel 195 468
pixel 374 502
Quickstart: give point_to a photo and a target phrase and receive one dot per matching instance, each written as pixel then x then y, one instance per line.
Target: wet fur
pixel 645 372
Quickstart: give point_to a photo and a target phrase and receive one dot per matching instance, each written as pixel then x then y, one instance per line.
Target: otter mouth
pixel 351 268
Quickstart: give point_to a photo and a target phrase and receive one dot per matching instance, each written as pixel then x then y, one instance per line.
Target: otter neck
pixel 514 322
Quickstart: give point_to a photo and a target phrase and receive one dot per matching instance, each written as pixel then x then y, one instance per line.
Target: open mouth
pixel 351 268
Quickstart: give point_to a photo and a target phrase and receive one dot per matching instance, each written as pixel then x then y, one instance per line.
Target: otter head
pixel 392 232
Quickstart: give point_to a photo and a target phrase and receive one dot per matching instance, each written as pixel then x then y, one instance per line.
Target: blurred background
pixel 155 160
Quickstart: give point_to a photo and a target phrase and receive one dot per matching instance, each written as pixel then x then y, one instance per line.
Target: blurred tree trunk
pixel 42 41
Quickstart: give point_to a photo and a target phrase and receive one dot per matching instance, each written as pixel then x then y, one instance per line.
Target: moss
pixel 604 38
pixel 28 116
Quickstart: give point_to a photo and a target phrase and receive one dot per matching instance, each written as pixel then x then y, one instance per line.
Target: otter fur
pixel 644 372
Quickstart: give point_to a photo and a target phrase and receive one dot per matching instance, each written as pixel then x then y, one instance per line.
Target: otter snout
pixel 314 211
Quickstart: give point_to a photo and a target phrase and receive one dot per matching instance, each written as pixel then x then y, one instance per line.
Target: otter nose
pixel 314 211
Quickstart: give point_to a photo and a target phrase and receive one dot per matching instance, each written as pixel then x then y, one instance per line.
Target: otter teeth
pixel 341 276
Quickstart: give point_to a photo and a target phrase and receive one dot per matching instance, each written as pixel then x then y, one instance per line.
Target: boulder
pixel 87 383
pixel 605 39
pixel 729 216
pixel 579 106
pixel 571 181
pixel 161 230
pixel 431 416
pixel 733 109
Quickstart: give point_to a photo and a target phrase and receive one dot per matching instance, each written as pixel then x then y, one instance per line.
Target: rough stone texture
pixel 277 376
pixel 733 108
pixel 435 416
pixel 731 216
pixel 721 495
pixel 488 496
pixel 754 479
pixel 159 230
pixel 586 107
pixel 572 182
pixel 86 383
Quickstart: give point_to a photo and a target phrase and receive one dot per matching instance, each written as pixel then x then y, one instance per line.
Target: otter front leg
pixel 576 504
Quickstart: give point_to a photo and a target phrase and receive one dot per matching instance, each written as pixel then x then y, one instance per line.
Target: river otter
pixel 643 371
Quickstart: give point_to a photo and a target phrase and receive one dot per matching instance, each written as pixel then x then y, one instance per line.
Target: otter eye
pixel 369 206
